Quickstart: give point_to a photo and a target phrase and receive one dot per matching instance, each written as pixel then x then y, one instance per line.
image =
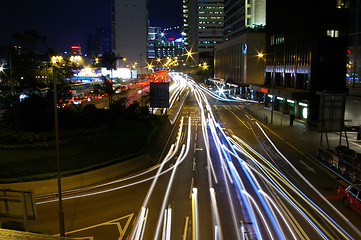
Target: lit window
pixel 333 33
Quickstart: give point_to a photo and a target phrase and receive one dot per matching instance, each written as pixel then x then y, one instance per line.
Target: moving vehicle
pixel 351 196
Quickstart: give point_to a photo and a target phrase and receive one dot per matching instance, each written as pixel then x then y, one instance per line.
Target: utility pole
pixel 61 213
pixel 11 73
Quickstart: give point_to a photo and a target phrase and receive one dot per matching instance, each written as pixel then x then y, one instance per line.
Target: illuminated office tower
pixel 243 15
pixel 203 26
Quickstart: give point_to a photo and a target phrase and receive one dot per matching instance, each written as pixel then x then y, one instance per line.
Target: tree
pixel 108 89
pixel 109 60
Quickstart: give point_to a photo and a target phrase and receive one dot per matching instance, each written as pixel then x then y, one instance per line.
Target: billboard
pixel 332 111
pixel 159 95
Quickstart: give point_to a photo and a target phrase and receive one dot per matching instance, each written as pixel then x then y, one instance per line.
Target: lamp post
pixel 56 123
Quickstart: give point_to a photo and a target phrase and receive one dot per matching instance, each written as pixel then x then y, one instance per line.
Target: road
pixel 223 175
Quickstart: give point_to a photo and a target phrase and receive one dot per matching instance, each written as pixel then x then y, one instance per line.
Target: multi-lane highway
pixel 222 175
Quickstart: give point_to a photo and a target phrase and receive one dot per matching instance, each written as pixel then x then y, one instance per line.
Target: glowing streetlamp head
pixel 260 55
pixel 56 59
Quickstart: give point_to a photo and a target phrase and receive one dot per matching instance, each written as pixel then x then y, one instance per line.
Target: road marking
pixel 308 167
pixel 116 222
pixel 195 137
pixel 230 110
pixel 185 228
pixel 190 192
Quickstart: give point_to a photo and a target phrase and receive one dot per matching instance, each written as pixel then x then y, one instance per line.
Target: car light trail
pixel 140 224
pixel 282 193
pixel 304 212
pixel 181 157
pixel 279 212
pixel 150 191
pixel 318 209
pixel 195 228
pixel 259 212
pixel 167 224
pixel 166 159
pixel 251 181
pixel 206 141
pixel 218 229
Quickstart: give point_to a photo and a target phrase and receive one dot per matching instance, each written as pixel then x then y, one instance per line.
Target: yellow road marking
pixel 185 228
pixel 112 222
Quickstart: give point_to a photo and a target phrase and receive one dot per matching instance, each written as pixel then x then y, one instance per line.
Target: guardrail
pixel 345 168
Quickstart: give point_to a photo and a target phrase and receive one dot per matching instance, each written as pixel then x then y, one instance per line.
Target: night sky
pixel 67 22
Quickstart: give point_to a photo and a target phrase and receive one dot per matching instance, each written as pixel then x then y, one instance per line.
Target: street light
pixel 260 55
pixel 56 123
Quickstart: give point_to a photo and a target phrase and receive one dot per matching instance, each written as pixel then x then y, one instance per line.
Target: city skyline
pixel 67 23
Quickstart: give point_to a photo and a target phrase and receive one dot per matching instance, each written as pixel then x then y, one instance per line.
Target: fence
pixel 345 168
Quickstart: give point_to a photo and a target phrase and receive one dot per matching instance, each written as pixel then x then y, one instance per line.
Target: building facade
pixel 154 36
pixel 171 49
pixel 354 48
pixel 130 32
pixel 99 43
pixel 306 46
pixel 240 15
pixel 237 59
pixel 203 26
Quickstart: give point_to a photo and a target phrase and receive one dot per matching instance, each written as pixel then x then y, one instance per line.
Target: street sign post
pixel 18 204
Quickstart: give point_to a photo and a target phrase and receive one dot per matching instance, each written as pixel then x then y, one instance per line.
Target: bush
pixel 13 225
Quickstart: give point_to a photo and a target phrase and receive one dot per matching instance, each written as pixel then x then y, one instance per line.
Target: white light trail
pixel 279 212
pixel 316 207
pixel 151 189
pixel 259 212
pixel 181 157
pixel 195 219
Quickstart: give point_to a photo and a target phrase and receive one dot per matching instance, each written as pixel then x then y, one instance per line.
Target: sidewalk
pixel 306 138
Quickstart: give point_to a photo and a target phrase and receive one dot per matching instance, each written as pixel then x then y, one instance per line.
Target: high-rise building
pixel 170 48
pixel 203 26
pixel 154 36
pixel 354 47
pixel 306 46
pixel 130 31
pixel 240 15
pixel 99 43
pixel 236 60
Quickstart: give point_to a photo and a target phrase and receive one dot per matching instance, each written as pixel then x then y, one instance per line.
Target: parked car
pixel 351 196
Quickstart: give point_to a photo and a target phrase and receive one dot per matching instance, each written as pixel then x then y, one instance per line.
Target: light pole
pixel 60 211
